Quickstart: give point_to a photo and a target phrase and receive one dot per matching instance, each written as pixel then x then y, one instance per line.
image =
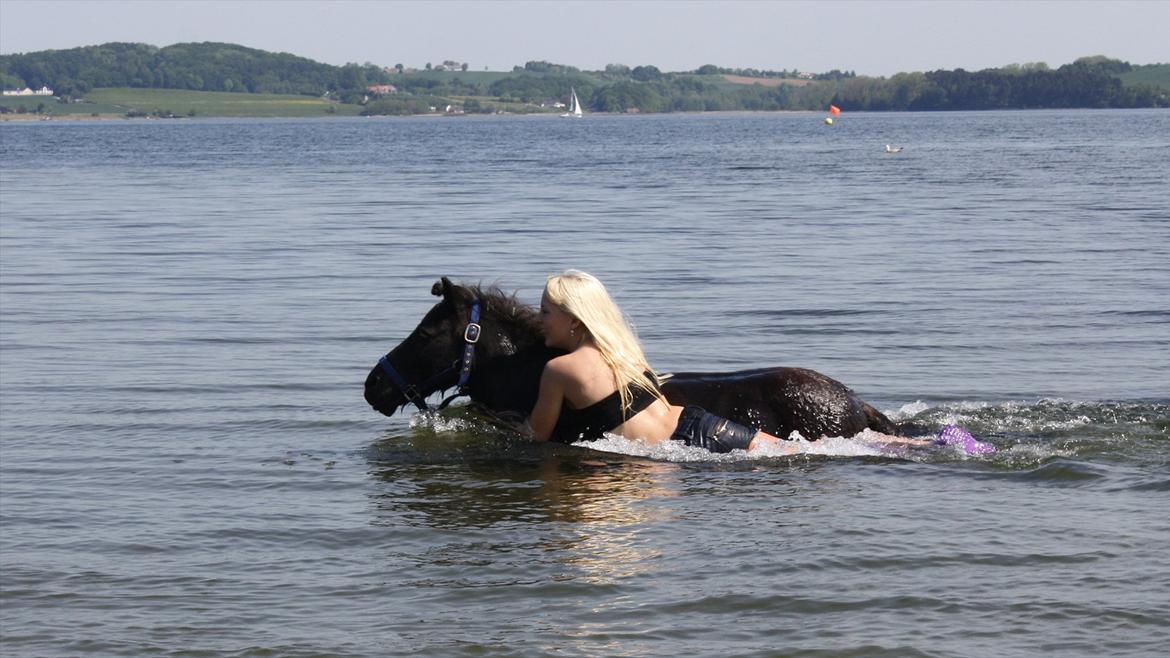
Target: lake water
pixel 188 310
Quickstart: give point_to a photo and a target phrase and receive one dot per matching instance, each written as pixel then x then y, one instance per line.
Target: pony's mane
pixel 505 304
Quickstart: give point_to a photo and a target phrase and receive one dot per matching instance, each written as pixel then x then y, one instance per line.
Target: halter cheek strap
pixel 471 335
pixel 470 338
pixel 412 394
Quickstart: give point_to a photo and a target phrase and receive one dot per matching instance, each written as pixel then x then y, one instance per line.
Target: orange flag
pixel 834 110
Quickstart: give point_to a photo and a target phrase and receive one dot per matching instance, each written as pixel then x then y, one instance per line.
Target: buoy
pixel 828 121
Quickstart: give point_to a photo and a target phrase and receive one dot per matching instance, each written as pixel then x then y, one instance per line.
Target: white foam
pixel 436 421
pixel 865 444
pixel 907 410
pixel 1044 415
pixel 839 446
pixel 676 451
pixel 666 451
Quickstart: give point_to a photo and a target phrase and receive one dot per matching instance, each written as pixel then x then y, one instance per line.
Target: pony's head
pixel 435 354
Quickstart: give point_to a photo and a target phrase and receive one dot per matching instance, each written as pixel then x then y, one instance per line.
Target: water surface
pixel 188 310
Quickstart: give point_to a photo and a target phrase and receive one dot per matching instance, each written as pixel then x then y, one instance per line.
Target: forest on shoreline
pixel 76 74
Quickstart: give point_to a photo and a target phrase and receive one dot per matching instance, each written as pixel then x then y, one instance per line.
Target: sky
pixel 870 38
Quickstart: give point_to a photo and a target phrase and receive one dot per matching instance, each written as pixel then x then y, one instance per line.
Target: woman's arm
pixel 548 402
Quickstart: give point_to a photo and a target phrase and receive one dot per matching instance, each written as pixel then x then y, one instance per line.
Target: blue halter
pixel 471 335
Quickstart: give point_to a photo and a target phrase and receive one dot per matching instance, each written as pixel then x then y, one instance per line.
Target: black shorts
pixel 697 427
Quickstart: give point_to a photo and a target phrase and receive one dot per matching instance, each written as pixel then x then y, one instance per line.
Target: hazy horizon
pixel 869 38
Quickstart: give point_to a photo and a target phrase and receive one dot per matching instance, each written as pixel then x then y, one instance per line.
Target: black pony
pixel 490 346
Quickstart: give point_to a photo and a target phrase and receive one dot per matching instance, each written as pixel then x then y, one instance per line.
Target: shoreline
pixel 103 118
pixel 33 118
pixel 43 118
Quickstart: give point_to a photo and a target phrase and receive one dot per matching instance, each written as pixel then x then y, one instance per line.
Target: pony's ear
pixel 442 287
pixel 449 291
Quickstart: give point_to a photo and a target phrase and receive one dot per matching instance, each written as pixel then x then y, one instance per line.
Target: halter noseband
pixel 470 337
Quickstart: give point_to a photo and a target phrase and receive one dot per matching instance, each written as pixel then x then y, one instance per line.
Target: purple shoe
pixel 956 435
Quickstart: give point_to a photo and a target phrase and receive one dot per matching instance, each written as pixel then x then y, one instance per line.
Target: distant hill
pixel 190 66
pixel 1089 82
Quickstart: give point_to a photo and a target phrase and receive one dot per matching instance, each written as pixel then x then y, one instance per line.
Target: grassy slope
pixel 119 101
pixel 1157 75
pixel 738 82
pixel 216 103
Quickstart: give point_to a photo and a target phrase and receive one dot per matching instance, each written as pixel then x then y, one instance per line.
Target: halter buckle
pixel 412 395
pixel 472 332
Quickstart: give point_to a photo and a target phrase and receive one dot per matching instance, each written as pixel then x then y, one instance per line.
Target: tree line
pixel 1087 83
pixel 1090 82
pixel 193 66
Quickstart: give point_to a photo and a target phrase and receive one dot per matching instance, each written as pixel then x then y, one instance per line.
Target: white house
pixel 43 91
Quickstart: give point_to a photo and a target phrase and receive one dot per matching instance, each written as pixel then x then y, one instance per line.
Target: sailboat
pixel 574 106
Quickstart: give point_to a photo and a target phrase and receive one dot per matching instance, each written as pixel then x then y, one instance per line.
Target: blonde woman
pixel 604 383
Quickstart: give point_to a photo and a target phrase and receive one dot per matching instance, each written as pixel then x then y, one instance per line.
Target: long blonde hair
pixel 583 296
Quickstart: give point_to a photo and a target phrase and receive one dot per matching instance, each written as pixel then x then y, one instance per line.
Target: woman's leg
pixel 776 444
pixel 890 438
pixel 773 443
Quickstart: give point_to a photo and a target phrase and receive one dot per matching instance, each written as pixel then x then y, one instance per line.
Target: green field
pixel 121 102
pixel 1157 75
pixel 176 102
pixel 217 103
pixel 30 103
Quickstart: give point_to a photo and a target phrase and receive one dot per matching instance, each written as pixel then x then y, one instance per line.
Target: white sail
pixel 574 105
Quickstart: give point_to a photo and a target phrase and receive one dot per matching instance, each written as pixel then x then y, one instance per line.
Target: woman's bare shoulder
pixel 577 365
pixel 563 365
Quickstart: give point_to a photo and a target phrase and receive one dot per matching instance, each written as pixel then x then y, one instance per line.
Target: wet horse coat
pixel 508 357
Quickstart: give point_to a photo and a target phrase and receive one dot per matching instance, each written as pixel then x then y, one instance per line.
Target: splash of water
pixel 1026 434
pixel 863 445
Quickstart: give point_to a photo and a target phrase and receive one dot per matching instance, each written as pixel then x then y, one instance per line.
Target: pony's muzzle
pixel 380 394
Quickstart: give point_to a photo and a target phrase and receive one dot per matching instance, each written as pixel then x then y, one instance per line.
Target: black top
pixel 602 416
